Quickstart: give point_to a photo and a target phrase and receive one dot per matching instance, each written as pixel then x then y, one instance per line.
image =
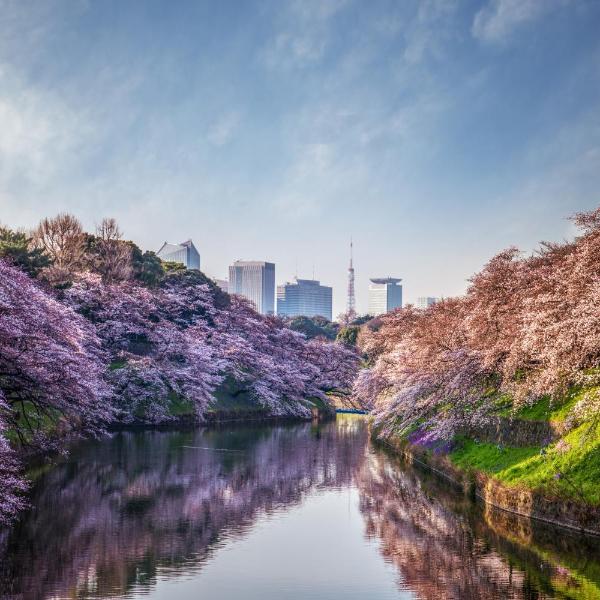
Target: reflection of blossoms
pixel 143 501
pixel 443 550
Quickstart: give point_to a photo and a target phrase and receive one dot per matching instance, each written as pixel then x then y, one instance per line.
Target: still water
pixel 300 511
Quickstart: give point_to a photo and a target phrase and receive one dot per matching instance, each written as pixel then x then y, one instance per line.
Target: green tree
pixel 16 248
pixel 348 335
pixel 313 327
pixel 147 267
pixel 362 320
pixel 173 267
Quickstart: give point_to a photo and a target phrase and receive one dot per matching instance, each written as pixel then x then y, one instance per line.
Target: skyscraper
pixel 385 294
pixel 304 297
pixel 184 253
pixel 351 302
pixel 426 301
pixel 254 280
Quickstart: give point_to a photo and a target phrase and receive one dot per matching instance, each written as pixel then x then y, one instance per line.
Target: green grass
pixel 545 409
pixel 573 472
pixel 179 406
pixel 233 403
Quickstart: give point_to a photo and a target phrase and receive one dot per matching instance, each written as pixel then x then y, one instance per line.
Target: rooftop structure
pixel 184 253
pixel 385 294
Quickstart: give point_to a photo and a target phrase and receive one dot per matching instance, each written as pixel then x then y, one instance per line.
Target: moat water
pixel 287 512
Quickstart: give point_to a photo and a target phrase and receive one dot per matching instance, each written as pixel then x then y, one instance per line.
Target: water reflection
pixel 446 546
pixel 119 510
pixel 122 515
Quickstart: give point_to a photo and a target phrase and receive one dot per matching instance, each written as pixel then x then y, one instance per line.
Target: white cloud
pixel 302 35
pixel 222 130
pixel 496 21
pixel 39 133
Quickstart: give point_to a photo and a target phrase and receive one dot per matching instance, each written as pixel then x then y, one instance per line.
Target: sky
pixel 435 133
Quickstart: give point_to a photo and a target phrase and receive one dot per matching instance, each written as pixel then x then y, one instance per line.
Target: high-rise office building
pixel 254 280
pixel 426 301
pixel 385 294
pixel 184 253
pixel 304 297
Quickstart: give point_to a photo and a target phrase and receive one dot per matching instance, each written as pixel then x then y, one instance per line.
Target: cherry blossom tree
pixel 527 327
pixel 51 376
pixel 106 348
pixel 12 484
pixel 156 357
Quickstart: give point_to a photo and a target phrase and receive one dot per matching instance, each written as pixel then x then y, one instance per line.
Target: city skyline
pixel 436 133
pixel 312 305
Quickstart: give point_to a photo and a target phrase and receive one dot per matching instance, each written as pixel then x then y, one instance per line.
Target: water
pixel 274 512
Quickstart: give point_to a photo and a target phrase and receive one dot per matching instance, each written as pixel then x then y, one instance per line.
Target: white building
pixel 385 294
pixel 304 297
pixel 426 301
pixel 254 280
pixel 184 253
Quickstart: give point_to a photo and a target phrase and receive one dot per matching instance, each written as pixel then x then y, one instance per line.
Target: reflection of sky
pixel 314 551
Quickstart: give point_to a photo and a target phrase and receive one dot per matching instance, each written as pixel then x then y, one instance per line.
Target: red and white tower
pixel 351 303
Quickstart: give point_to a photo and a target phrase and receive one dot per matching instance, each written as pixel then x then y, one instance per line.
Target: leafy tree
pixel 348 335
pixel 313 327
pixel 361 320
pixel 16 248
pixel 172 267
pixel 147 267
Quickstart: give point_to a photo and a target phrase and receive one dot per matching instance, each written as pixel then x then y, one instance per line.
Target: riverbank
pixel 220 414
pixel 226 410
pixel 534 463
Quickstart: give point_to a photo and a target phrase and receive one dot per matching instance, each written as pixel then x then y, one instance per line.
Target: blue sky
pixel 435 132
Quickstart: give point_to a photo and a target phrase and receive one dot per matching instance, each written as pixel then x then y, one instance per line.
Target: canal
pixel 303 511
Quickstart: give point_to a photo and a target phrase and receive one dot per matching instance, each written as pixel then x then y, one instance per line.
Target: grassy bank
pixel 557 479
pixel 566 467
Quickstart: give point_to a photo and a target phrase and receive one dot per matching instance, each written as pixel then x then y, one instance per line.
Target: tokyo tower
pixel 351 303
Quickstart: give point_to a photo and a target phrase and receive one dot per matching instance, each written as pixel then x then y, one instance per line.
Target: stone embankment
pixel 519 433
pixel 518 500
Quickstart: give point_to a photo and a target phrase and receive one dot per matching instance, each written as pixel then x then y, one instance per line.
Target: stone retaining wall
pixel 519 433
pixel 517 500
